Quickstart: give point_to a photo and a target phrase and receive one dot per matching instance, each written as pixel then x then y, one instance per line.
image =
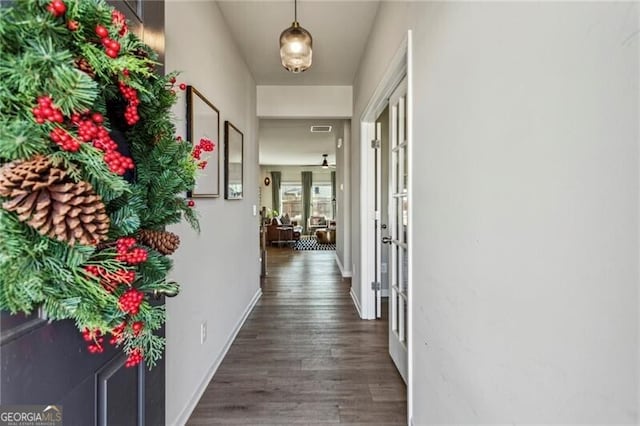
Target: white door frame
pixel 399 67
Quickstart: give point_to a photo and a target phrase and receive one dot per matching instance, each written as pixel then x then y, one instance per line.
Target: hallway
pixel 304 356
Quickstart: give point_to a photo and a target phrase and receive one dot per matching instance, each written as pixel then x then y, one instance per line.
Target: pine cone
pixel 46 200
pixel 83 65
pixel 162 241
pixel 22 177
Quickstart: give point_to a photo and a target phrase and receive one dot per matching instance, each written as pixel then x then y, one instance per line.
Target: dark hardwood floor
pixel 304 356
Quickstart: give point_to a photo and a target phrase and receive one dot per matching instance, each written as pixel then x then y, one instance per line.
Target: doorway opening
pixel 297 185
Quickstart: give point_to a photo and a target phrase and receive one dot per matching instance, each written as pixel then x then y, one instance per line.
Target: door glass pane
pixel 399 227
pixel 405 320
pixel 396 172
pixel 404 266
pixel 400 270
pixel 405 169
pixel 405 218
pixel 401 170
pixel 404 116
pixel 398 301
pixel 401 319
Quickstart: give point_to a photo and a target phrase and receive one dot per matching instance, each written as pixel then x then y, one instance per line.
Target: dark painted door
pixel 48 364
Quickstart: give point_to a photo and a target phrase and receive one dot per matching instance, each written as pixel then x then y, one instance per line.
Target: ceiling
pixel 340 30
pixel 291 143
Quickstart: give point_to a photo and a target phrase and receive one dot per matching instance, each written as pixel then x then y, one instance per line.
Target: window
pixel 291 198
pixel 321 201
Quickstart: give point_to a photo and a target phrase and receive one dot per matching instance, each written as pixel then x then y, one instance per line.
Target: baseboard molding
pixel 345 274
pixel 356 302
pixel 195 398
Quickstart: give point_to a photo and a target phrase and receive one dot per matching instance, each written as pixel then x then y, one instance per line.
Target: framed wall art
pixel 233 162
pixel 203 129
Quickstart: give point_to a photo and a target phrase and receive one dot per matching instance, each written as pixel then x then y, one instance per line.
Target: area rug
pixel 312 244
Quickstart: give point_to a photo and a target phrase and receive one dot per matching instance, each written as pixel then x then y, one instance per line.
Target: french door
pixel 399 229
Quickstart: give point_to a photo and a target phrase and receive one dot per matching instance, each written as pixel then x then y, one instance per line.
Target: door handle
pixel 386 240
pixel 383 226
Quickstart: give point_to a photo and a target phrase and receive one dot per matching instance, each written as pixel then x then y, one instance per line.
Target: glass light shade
pixel 296 48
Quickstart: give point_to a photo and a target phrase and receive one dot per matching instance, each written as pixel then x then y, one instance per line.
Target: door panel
pixel 398 210
pixel 42 363
pixel 117 393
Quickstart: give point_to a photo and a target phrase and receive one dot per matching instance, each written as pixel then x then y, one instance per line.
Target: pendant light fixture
pixel 325 164
pixel 296 45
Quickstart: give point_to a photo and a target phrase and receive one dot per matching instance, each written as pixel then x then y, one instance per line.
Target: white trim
pixel 184 415
pixel 410 236
pixel 343 272
pixel 367 276
pixel 355 302
pixel 395 73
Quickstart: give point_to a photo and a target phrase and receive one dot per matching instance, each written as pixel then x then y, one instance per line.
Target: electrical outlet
pixel 203 332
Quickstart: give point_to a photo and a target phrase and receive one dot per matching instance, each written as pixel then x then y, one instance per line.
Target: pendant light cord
pixel 295 10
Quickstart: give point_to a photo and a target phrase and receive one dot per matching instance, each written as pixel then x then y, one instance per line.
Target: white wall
pixel 526 195
pixel 218 269
pixel 304 101
pixel 343 201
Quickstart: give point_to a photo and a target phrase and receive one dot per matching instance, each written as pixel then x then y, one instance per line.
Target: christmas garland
pixel 91 173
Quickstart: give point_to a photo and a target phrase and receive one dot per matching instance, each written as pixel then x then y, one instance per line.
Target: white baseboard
pixel 195 398
pixel 356 302
pixel 345 274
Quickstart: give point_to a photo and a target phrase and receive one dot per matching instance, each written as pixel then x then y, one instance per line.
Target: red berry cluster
pixel 111 46
pixel 119 20
pixel 95 339
pixel 135 358
pixel 204 145
pixel 111 280
pixel 64 140
pixel 129 254
pixel 118 163
pixel 130 301
pixel 90 129
pixel 202 164
pixel 191 203
pixel 46 111
pixel 131 96
pixel 207 145
pixel 57 8
pixel 137 327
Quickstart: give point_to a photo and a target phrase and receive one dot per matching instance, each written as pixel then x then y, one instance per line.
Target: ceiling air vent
pixel 320 129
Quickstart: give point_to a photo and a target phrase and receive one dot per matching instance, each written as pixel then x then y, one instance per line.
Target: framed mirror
pixel 203 128
pixel 233 162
